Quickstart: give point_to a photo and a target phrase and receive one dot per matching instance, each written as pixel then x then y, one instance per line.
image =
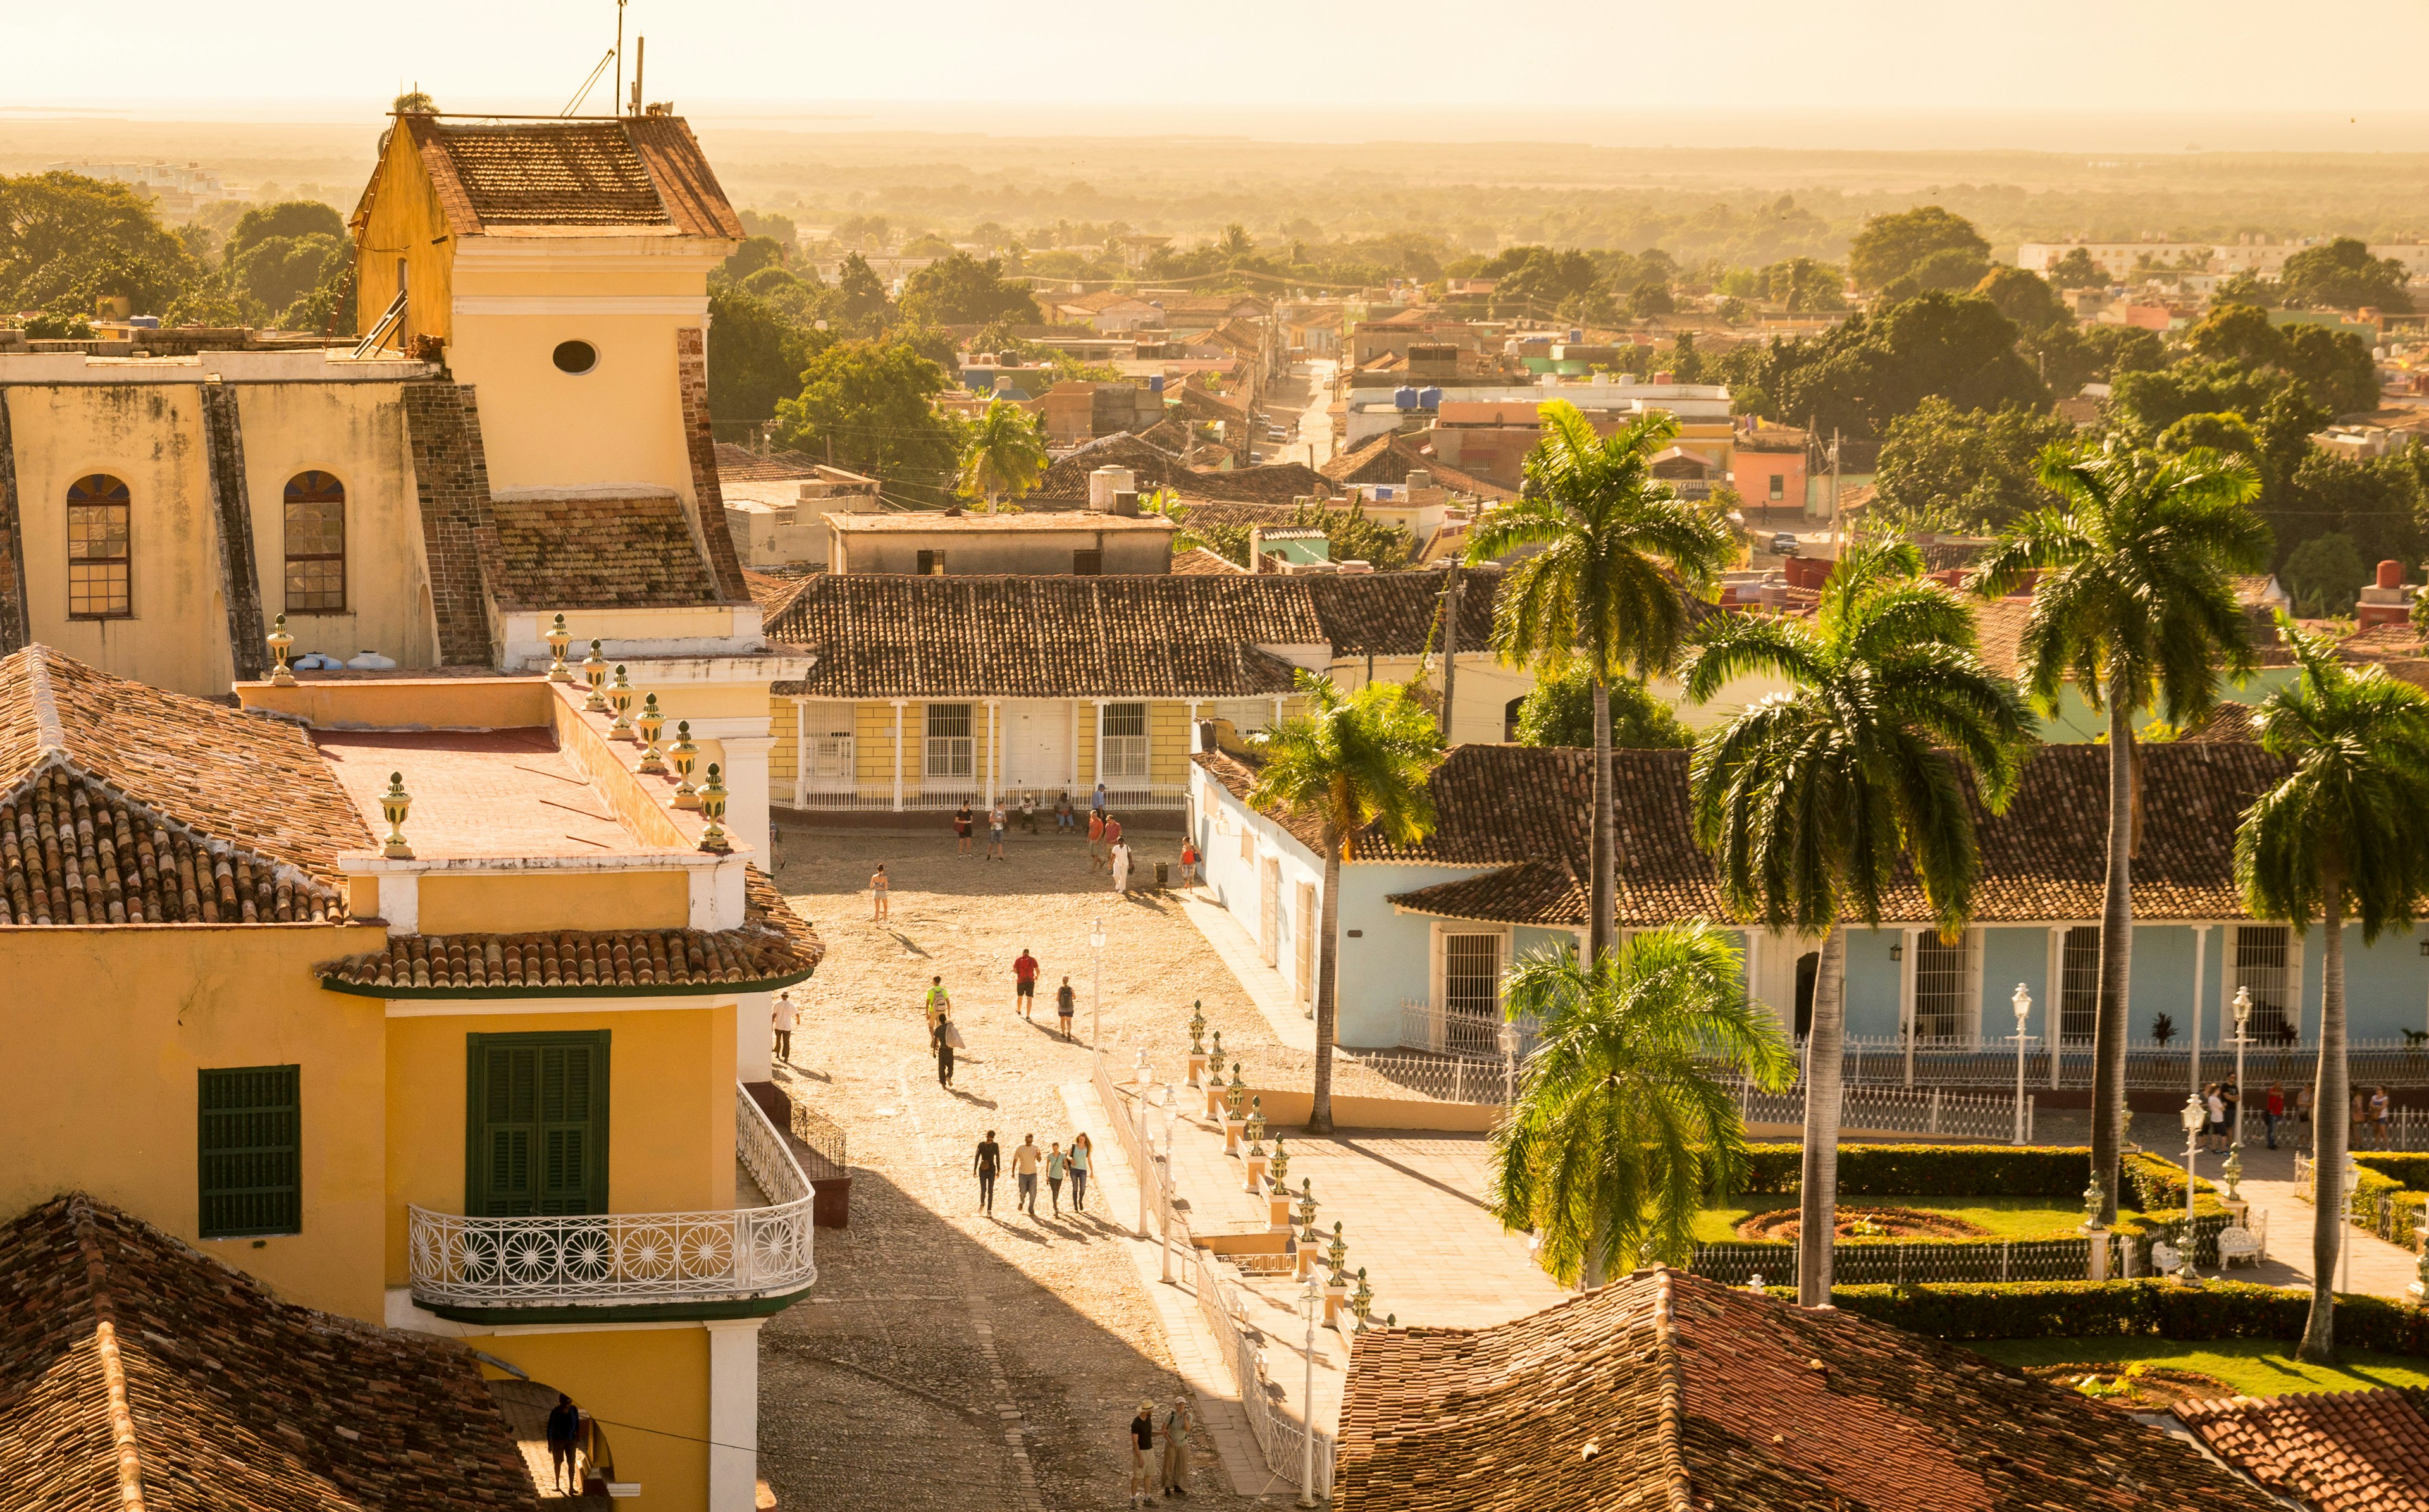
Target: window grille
pixel 1943 978
pixel 2078 958
pixel 316 544
pixel 1472 976
pixel 100 559
pixel 249 1151
pixel 1124 758
pixel 2262 963
pixel 951 752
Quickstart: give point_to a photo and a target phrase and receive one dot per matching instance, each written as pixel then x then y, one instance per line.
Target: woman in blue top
pixel 1080 1154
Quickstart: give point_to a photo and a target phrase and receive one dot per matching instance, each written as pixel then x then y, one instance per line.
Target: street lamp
pixel 1145 1146
pixel 1311 1307
pixel 1096 978
pixel 1168 1113
pixel 2193 1117
pixel 2024 1002
pixel 2234 1172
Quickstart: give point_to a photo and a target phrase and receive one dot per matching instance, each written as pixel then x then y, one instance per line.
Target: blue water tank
pixel 1429 399
pixel 1155 384
pixel 1404 397
pixel 1576 335
pixel 145 323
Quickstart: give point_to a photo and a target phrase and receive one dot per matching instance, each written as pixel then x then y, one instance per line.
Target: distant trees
pixel 1945 469
pixel 2342 275
pixel 1559 711
pixel 277 256
pixel 961 290
pixel 871 405
pixel 2334 365
pixel 66 239
pixel 2077 271
pixel 1925 248
pixel 1875 368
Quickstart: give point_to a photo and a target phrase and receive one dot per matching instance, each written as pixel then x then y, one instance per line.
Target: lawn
pixel 2255 1367
pixel 2004 1217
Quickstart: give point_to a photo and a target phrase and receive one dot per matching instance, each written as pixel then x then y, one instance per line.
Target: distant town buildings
pixel 178 188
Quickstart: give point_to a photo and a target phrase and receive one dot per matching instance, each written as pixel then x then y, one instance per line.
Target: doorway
pixel 1808 967
pixel 1038 748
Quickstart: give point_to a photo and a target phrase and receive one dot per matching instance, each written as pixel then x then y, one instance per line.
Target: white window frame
pixel 939 754
pixel 2226 975
pixel 1124 758
pixel 1969 1009
pixel 1438 954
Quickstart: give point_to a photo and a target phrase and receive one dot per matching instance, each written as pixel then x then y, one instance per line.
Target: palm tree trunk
pixel 2330 1116
pixel 1328 975
pixel 2116 957
pixel 1604 913
pixel 1817 1197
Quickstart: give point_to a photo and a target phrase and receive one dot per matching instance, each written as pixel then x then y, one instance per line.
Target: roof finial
pixel 394 805
pixel 558 639
pixel 280 644
pixel 712 808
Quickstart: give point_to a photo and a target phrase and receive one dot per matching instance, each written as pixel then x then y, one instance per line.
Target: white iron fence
pixel 1896 1265
pixel 879 796
pixel 608 1259
pixel 1899 1110
pixel 1432 1027
pixel 1449 1080
pixel 2151 1065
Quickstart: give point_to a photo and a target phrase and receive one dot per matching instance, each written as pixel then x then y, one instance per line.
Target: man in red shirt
pixel 1024 982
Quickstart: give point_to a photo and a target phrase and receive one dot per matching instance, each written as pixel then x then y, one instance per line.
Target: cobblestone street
pixel 948 1358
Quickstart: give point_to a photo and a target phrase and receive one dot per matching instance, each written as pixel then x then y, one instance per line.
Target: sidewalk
pixel 1268 988
pixel 2377 1268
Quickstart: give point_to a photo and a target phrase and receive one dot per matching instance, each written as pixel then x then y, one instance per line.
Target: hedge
pixel 2410 1171
pixel 1930 1171
pixel 2165 1309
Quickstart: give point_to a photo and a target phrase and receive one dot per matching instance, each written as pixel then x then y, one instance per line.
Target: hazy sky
pixel 2227 59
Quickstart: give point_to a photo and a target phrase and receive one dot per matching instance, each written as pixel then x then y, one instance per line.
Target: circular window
pixel 575 356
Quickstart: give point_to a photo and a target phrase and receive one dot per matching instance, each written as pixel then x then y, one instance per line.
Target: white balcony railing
pixel 611 1259
pixel 1119 798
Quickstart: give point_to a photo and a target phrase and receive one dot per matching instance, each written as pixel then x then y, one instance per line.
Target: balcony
pixel 738 1262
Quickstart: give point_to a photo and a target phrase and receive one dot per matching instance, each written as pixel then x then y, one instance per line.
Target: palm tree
pixel 1003 453
pixel 2135 604
pixel 2345 835
pixel 1814 801
pixel 1625 1118
pixel 1351 762
pixel 1618 552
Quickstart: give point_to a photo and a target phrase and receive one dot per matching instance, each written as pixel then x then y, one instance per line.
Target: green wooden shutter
pixel 537 1144
pixel 250 1151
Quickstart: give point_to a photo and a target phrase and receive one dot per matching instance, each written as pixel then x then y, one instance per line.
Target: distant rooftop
pixel 480 792
pixel 921 522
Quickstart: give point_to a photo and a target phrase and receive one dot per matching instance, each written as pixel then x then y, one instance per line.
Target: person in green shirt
pixel 939 1001
pixel 1056 1163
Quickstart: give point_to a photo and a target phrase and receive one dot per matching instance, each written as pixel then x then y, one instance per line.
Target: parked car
pixel 1783 543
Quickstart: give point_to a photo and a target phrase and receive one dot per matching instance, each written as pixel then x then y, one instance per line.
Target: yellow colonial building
pixel 418 1001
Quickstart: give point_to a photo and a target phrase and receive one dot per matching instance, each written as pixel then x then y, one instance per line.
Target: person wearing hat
pixel 1176 1448
pixel 1142 1445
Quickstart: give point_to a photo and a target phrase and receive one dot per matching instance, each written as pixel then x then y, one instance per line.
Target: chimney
pixel 1419 478
pixel 2391 574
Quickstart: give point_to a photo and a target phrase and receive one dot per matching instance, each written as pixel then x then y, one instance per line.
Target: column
pixel 2054 997
pixel 2201 952
pixel 1906 996
pixel 1097 761
pixel 754 1037
pixel 1074 788
pixel 1191 744
pixel 898 755
pixel 733 1414
pixel 801 753
pixel 746 788
pixel 994 752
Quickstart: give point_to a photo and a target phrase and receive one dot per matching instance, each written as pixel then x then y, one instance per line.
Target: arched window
pixel 100 570
pixel 316 545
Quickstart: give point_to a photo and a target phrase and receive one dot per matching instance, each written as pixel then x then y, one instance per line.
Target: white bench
pixel 2237 1243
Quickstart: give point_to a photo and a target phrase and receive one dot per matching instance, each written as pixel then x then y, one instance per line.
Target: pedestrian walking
pixel 1096 801
pixel 1066 1003
pixel 1112 834
pixel 1121 868
pixel 995 832
pixel 1142 1439
pixel 946 1037
pixel 1024 983
pixel 1189 863
pixel 1176 1450
pixel 1063 818
pixel 961 831
pixel 1096 840
pixel 1057 1165
pixel 2274 1109
pixel 564 1435
pixel 1024 1161
pixel 878 888
pixel 2217 1129
pixel 783 1017
pixel 1083 1154
pixel 2381 1116
pixel 983 1165
pixel 2360 1119
pixel 939 1001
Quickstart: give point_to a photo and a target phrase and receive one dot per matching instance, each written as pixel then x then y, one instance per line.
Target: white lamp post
pixel 2024 1002
pixel 1311 1307
pixel 2234 1171
pixel 2194 1116
pixel 1147 1149
pixel 1169 1115
pixel 1096 978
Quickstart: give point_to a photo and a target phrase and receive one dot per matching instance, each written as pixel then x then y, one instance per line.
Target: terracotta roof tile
pixel 1691 1395
pixel 1155 468
pixel 2336 1451
pixel 122 803
pixel 774 946
pixel 1390 457
pixel 1199 561
pixel 233 1398
pixel 740 464
pixel 597 554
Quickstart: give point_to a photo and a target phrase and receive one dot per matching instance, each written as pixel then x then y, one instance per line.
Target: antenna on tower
pixel 620 54
pixel 641 56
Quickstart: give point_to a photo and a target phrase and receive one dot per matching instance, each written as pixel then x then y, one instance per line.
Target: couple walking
pixel 1028 1161
pixel 1169 1469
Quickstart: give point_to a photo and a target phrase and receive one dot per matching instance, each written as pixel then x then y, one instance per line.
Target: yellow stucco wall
pixel 404 223
pixel 393 703
pixel 98 1090
pixel 354 431
pixel 670 1108
pixel 783 757
pixel 456 903
pixel 648 1387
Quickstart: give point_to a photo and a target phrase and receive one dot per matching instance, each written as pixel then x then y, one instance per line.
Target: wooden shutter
pixel 538 1140
pixel 249 1151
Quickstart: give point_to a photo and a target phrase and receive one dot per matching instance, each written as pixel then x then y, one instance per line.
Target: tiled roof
pixel 1390 457
pixel 1179 635
pixel 775 945
pixel 597 554
pixel 2043 860
pixel 770 592
pixel 644 174
pixel 1155 468
pixel 2334 1450
pixel 2229 723
pixel 136 1373
pixel 740 464
pixel 1199 561
pixel 125 804
pixel 1667 1392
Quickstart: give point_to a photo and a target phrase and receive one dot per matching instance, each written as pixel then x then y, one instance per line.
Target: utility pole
pixel 1451 647
pixel 620 51
pixel 640 57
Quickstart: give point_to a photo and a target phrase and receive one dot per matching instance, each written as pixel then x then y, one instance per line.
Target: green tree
pixel 870 407
pixel 754 254
pixel 275 272
pixel 1648 299
pixel 2023 298
pixel 1814 803
pixel 2070 357
pixel 66 239
pixel 2237 332
pixel 2077 271
pixel 1953 269
pixel 756 361
pixel 1624 1120
pixel 1860 377
pixel 2342 275
pixel 1539 275
pixel 1352 762
pixel 2336 365
pixel 2325 575
pixel 1004 452
pixel 2224 432
pixel 286 219
pixel 1805 287
pixel 2378 503
pixel 1943 469
pixel 1619 551
pixel 1891 247
pixel 961 290
pixel 2344 835
pixel 2135 605
pixel 858 302
pixel 1559 711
